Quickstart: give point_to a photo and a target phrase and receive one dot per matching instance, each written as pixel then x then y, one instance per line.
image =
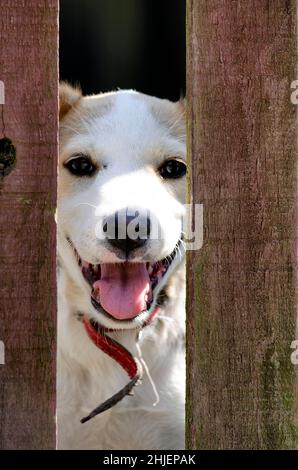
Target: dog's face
pixel 120 200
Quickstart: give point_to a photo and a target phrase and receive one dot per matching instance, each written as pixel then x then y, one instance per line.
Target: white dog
pixel 121 153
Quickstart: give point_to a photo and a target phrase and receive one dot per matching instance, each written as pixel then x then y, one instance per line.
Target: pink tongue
pixel 123 289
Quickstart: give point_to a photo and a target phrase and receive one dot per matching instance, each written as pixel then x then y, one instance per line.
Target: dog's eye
pixel 80 166
pixel 172 169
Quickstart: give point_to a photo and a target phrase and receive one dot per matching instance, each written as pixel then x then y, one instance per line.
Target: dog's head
pixel 120 200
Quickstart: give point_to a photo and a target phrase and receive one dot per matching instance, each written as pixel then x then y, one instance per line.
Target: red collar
pixel 121 355
pixel 111 347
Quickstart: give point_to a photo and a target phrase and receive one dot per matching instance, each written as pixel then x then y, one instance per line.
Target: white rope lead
pixel 142 360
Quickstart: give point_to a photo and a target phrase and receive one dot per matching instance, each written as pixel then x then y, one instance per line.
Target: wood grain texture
pixel 242 284
pixel 28 68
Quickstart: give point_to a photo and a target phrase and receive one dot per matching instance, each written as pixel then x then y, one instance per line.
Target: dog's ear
pixel 182 104
pixel 178 119
pixel 68 97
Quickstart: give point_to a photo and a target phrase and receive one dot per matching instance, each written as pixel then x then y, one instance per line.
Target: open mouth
pixel 125 291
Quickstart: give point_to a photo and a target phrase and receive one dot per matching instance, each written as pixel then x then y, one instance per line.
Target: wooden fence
pixel 28 70
pixel 242 297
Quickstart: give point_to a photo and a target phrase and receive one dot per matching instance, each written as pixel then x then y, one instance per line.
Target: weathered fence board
pixel 28 69
pixel 242 284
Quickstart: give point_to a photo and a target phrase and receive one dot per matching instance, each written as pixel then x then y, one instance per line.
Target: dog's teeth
pixel 95 268
pixel 150 270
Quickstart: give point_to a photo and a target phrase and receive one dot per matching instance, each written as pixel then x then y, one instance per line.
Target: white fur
pixel 128 143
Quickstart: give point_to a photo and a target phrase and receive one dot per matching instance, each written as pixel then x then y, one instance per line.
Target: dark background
pixel 110 44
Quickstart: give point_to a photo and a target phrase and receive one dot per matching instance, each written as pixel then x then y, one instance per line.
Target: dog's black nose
pixel 127 229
